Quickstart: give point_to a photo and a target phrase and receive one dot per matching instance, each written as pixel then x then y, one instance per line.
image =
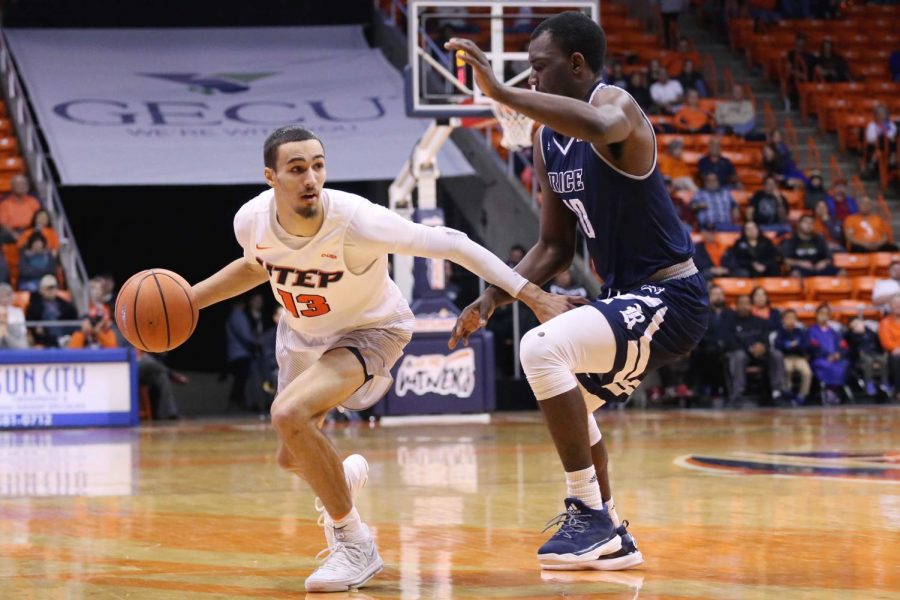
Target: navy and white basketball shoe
pixel 627 557
pixel 584 535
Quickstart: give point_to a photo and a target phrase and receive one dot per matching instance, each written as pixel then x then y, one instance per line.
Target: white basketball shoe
pixel 351 563
pixel 356 471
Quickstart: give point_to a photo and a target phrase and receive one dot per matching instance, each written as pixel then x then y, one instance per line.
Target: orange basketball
pixel 156 310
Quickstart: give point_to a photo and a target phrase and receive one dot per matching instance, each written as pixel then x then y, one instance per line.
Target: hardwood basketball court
pixel 745 505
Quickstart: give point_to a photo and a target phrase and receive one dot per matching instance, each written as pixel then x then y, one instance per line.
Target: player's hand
pixel 472 55
pixel 546 306
pixel 474 317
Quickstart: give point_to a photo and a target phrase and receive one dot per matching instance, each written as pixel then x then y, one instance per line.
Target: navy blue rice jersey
pixel 630 223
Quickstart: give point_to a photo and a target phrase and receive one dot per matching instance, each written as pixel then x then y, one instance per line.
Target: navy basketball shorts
pixel 654 325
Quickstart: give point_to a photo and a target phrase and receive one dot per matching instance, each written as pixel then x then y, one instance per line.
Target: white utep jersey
pixel 321 297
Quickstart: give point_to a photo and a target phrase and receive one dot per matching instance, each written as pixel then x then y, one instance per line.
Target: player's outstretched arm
pixel 552 254
pixel 600 124
pixel 232 280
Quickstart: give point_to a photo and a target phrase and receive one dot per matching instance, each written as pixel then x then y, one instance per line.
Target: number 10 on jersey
pixel 575 205
pixel 316 306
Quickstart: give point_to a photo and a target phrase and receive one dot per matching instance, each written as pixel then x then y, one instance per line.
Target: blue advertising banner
pixel 67 388
pixel 431 379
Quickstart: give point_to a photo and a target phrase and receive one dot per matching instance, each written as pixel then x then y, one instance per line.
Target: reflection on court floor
pixel 767 504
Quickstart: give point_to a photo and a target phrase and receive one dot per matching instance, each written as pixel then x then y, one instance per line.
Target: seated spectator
pixel 885 289
pixel 96 331
pixel 840 205
pixel 97 295
pixel 714 206
pixel 653 69
pixel 158 378
pixel 667 93
pixel 690 118
pixel 768 207
pixel 790 340
pixel 781 168
pixel 889 336
pixel 828 352
pixel 4 269
pixel 17 208
pixel 616 76
pixel 753 254
pixel 832 231
pixel 564 285
pixel 41 224
pixel 866 231
pixel 672 166
pixel 805 253
pixel 894 65
pixel 707 363
pixel 12 321
pixel 708 255
pixel 736 114
pixel 675 61
pixel 762 308
pixel 815 191
pixel 637 87
pixel 830 67
pixel 800 64
pixel 109 286
pixel 878 131
pixel 515 254
pixel 46 305
pixel 868 357
pixel 714 162
pixel 691 79
pixel 748 345
pixel 35 261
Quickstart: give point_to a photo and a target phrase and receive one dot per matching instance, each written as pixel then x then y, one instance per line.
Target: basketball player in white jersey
pixel 325 255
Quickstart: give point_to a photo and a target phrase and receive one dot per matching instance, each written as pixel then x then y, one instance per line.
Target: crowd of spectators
pixel 30 244
pixel 790 363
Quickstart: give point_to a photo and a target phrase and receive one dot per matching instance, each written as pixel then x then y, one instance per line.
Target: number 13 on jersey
pixel 316 306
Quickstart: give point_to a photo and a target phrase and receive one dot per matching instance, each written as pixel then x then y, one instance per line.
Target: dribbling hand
pixel 471 319
pixel 472 55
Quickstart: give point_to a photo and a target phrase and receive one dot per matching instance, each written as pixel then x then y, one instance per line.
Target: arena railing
pixel 41 175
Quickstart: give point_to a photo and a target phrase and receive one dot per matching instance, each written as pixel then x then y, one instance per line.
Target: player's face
pixel 299 176
pixel 551 70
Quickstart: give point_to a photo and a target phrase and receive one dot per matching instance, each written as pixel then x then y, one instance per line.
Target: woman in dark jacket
pixel 753 254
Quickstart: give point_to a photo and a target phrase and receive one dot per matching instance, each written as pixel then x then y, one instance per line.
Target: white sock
pixel 583 485
pixel 350 528
pixel 611 509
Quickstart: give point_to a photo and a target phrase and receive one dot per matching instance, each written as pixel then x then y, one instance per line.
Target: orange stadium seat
pixel 734 287
pixel 806 311
pixel 782 288
pixel 794 198
pixel 882 260
pixel 863 286
pixel 13 164
pixel 855 263
pixel 847 310
pixel 742 197
pixel 828 288
pixel 726 239
pixel 8 146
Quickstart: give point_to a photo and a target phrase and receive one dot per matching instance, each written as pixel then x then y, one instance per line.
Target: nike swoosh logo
pixel 258 247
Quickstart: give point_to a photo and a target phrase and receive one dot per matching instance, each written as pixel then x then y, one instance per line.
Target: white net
pixel 516 127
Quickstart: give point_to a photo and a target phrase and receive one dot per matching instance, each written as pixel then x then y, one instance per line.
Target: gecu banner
pixel 193 106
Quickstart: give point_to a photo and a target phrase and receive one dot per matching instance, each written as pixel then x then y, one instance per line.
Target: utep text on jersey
pixel 313 278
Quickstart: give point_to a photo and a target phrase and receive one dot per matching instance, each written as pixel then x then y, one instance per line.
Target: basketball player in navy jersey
pixel 595 156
